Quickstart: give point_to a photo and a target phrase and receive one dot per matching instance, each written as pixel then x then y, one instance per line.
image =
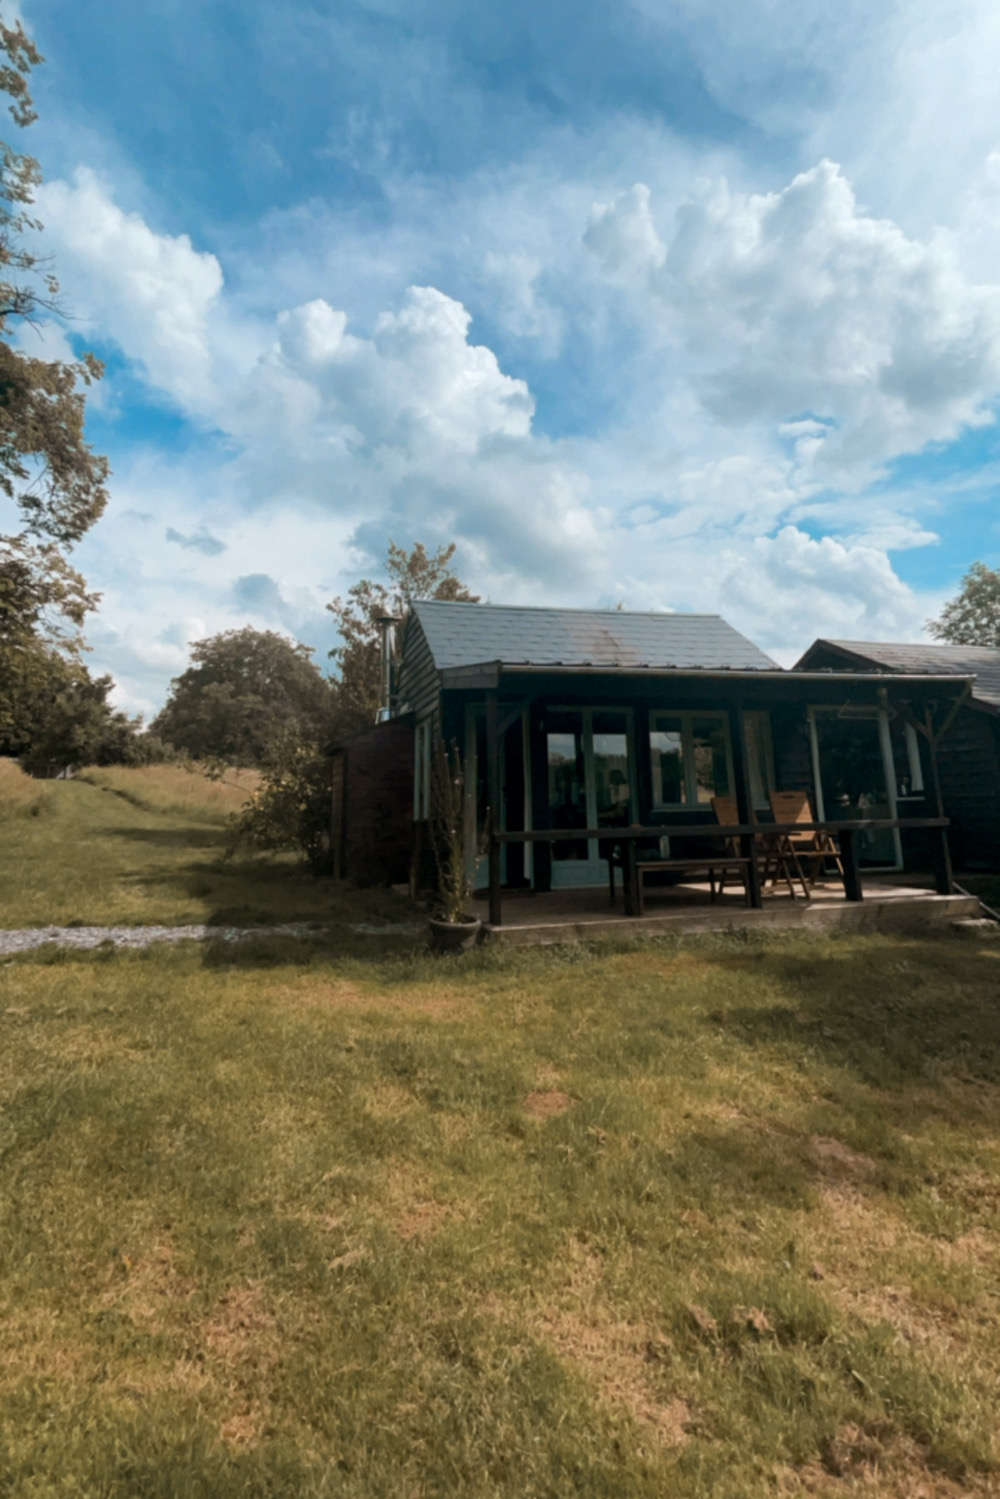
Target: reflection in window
pixel 567 787
pixel 666 748
pixel 690 758
pixel 760 758
pixel 709 745
pixel 612 780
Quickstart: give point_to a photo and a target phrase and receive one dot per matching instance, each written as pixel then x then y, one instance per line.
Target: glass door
pixel 591 780
pixel 855 776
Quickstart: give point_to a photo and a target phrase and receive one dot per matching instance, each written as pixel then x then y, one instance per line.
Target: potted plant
pixel 453 928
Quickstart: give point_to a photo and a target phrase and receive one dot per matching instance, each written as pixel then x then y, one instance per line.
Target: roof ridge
pixel 572 609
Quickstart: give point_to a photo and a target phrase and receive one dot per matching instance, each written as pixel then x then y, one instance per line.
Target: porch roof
pixel 981 663
pixel 774 684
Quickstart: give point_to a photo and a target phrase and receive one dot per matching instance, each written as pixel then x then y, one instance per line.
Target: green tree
pixel 412 575
pixel 972 617
pixel 52 485
pixel 243 689
pixel 67 721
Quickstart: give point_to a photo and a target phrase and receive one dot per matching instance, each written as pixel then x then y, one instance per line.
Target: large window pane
pixel 711 763
pixel 567 787
pixel 611 779
pixel 666 748
pixel 757 728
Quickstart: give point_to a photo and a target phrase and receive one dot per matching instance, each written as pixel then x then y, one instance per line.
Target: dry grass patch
pixel 546 1103
pixel 620 1359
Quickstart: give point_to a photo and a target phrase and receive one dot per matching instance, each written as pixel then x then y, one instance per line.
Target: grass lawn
pixel 715 1219
pixel 135 847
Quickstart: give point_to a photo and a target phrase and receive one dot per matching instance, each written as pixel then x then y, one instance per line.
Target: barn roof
pixel 981 662
pixel 608 639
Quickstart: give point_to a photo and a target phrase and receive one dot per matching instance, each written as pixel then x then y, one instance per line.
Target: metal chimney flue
pixel 387 650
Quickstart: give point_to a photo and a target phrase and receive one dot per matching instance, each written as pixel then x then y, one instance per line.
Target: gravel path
pixel 143 936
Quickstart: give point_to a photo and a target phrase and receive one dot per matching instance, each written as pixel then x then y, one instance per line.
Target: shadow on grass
pixel 899 1040
pixel 186 837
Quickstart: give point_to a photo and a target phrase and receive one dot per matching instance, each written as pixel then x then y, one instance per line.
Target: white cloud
pixel 152 294
pixel 341 433
pixel 418 380
pixel 797 307
pixel 622 234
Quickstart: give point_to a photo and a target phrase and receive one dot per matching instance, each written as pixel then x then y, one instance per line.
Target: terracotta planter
pixel 454 936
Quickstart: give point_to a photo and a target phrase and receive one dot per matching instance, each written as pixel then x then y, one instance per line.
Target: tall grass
pixel 125 846
pixel 184 790
pixel 20 794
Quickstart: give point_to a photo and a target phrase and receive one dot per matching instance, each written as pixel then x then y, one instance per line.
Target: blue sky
pixel 684 305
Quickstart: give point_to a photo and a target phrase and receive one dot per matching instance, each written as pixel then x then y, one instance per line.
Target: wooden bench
pixel 713 865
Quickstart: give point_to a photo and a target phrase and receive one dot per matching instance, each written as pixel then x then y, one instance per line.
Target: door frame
pixel 584 873
pixel 862 714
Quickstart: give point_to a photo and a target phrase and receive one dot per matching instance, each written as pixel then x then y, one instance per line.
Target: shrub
pixel 290 809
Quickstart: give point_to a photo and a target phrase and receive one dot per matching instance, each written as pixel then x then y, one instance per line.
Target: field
pixel 331 1217
pixel 135 847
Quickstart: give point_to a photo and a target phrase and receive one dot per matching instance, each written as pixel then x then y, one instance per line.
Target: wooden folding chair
pixel 810 849
pixel 774 860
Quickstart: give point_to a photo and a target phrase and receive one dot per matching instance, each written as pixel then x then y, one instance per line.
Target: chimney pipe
pixel 387 647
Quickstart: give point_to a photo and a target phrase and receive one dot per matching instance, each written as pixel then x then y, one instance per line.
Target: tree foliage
pixel 54 714
pixel 52 485
pixel 243 690
pixel 291 807
pixel 972 617
pixel 412 575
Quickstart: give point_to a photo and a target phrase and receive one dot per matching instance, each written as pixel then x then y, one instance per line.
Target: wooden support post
pixel 493 797
pixel 944 882
pixel 541 856
pixel 631 893
pixel 849 858
pixel 744 803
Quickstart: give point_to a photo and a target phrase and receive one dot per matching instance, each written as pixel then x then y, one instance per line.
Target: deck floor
pixel 579 915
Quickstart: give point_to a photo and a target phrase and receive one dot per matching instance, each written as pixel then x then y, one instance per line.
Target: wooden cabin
pixel 572 719
pixel 968 753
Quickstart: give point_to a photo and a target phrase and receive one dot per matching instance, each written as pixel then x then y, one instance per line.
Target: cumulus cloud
pixel 341 432
pixel 417 381
pixel 800 310
pixel 796 585
pixel 152 294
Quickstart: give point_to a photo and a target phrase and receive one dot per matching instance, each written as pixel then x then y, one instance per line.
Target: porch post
pixel 943 880
pixel 744 801
pixel 541 858
pixel 493 798
pixel 850 859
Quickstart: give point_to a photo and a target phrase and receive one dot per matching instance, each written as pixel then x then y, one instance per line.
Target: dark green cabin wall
pixel 419 684
pixel 969 766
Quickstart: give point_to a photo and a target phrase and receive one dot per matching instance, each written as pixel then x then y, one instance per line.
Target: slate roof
pixel 982 662
pixel 474 634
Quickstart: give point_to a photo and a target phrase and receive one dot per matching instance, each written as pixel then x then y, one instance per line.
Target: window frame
pixel 687 717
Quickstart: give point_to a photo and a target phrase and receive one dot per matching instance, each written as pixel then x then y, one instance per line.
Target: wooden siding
pixel 374 840
pixel 419 683
pixel 969 766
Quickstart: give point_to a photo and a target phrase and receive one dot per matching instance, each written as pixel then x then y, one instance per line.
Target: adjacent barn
pixel 968 752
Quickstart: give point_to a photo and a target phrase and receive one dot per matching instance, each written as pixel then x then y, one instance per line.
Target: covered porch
pixel 892 904
pixel 581 762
